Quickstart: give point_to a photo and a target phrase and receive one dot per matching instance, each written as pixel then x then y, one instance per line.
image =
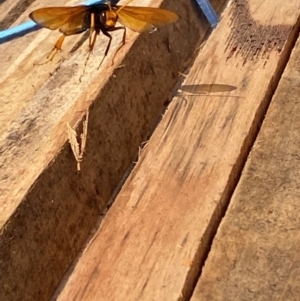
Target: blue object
pixel 17 31
pixel 209 12
pixel 30 26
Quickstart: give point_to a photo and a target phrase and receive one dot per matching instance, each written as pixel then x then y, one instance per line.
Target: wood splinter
pixel 141 148
pixel 78 148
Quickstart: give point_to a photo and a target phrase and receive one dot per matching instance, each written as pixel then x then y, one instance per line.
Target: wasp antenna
pixel 124 5
pixel 109 5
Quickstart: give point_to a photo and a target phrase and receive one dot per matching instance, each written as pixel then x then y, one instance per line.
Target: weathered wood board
pixel 47 209
pixel 152 243
pixel 255 254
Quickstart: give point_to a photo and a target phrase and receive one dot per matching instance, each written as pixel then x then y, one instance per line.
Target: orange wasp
pixel 99 17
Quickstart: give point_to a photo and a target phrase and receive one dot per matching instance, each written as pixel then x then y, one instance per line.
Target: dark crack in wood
pixel 250 39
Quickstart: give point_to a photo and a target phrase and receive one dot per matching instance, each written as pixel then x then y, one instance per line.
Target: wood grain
pixel 255 254
pixel 47 209
pixel 152 243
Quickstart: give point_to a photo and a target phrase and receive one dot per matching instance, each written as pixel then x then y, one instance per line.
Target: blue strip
pixel 18 31
pixel 30 26
pixel 209 12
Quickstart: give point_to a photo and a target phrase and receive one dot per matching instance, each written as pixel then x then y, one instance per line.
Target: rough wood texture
pixel 152 242
pixel 255 254
pixel 47 209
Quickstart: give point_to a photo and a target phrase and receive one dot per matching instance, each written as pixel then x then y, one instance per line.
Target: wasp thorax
pixel 108 18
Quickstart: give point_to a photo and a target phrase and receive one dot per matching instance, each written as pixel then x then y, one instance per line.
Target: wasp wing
pixel 69 20
pixel 144 18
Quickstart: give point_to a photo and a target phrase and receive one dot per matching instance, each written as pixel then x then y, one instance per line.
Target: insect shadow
pixel 203 89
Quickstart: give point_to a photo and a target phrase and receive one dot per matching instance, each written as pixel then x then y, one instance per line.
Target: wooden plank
pixel 152 242
pixel 47 209
pixel 255 254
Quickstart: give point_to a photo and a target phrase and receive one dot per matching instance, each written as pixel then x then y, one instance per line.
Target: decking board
pixel 255 254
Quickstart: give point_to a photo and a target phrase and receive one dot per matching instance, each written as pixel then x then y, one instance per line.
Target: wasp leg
pixel 92 41
pixel 56 48
pixel 91 47
pixel 53 52
pixel 92 28
pixel 109 43
pixel 122 43
pixel 107 48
